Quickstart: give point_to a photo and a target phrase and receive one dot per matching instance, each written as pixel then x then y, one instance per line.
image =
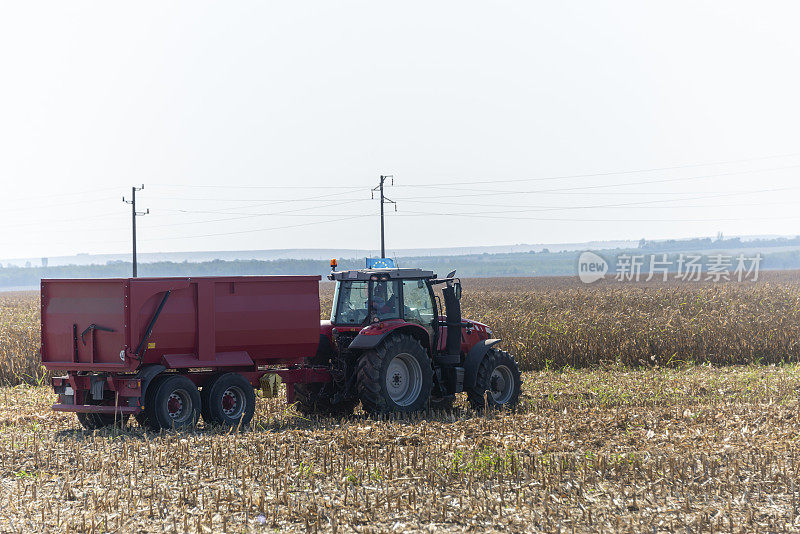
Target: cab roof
pixel 367 274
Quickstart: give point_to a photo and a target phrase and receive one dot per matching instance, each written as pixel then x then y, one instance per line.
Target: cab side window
pixel 417 302
pixel 386 299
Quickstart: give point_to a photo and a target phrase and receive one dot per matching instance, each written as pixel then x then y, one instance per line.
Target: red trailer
pixel 168 350
pixel 114 336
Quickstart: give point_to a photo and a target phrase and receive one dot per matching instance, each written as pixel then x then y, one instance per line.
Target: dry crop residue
pixel 603 450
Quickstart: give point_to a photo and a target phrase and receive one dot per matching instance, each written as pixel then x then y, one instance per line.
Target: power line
pixel 475 182
pixel 572 219
pixel 61 195
pixel 221 186
pixel 262 202
pixel 611 173
pixel 253 230
pixel 253 215
pixel 50 222
pixel 492 192
pixel 58 205
pixel 597 206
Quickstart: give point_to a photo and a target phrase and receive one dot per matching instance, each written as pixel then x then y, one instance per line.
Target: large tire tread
pixel 370 375
pixel 477 396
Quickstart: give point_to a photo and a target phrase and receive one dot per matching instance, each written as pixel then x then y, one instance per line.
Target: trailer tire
pixel 396 376
pixel 314 399
pixel 145 418
pixel 498 384
pixel 175 403
pixel 228 400
pixel 96 421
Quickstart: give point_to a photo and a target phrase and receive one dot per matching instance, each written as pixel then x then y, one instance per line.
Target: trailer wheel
pixel 228 400
pixel 96 421
pixel 498 384
pixel 395 377
pixel 145 418
pixel 316 399
pixel 175 403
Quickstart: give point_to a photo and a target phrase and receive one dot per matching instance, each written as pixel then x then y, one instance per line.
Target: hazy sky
pixel 258 125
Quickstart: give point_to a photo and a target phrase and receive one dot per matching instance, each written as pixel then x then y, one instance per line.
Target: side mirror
pixel 457 290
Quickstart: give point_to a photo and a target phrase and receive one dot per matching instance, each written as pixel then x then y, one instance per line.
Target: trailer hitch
pixel 91 328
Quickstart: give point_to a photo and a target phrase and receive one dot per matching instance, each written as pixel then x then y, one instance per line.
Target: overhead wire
pixel 254 215
pixel 644 203
pixel 544 178
pixel 493 192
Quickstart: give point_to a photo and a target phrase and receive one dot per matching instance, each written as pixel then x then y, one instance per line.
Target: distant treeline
pixel 475 265
pixel 719 243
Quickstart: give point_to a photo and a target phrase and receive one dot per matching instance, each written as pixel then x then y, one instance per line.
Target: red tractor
pixel 169 350
pixel 389 345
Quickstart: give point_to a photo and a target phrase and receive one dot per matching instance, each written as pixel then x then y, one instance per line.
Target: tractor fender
pixel 473 360
pixel 147 374
pixel 372 336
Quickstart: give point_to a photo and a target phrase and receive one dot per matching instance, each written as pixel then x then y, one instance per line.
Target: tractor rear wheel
pixel 498 384
pixel 228 400
pixel 395 377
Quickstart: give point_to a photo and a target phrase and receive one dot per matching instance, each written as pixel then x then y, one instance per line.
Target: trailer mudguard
pixel 473 360
pixel 373 335
pixel 146 374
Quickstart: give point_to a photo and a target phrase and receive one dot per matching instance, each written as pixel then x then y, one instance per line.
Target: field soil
pixel 695 449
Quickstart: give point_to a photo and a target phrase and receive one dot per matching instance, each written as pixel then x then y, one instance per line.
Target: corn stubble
pixel 639 441
pixel 611 450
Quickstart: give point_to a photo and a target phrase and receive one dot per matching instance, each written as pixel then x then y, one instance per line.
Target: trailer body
pixel 111 330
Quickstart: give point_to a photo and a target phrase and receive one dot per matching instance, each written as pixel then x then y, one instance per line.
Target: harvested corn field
pixel 612 450
pixel 555 322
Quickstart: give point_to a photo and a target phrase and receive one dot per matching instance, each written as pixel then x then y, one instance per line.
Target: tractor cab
pixel 369 296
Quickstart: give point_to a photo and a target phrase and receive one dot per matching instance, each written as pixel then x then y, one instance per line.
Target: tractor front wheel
pixel 395 377
pixel 498 384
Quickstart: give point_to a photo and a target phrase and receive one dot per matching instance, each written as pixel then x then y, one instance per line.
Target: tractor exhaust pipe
pixel 453 311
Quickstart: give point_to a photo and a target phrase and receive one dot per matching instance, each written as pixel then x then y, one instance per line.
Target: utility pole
pixel 134 214
pixel 384 199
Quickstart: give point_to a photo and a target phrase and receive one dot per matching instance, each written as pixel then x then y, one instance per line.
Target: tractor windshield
pixel 354 299
pixel 350 302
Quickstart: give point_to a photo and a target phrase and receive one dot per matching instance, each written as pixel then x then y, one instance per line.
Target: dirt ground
pixel 698 449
